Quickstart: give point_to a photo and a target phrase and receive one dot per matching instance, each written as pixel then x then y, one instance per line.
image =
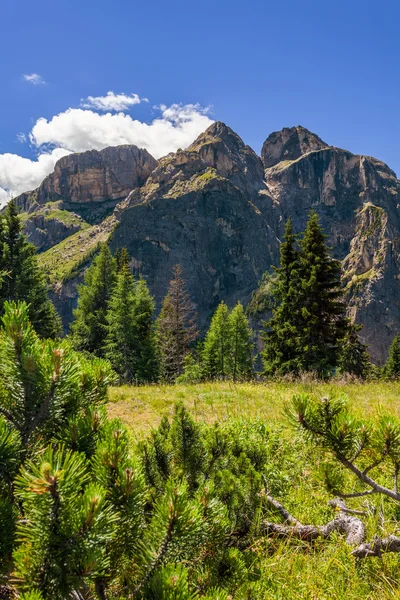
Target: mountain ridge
pixel 219 210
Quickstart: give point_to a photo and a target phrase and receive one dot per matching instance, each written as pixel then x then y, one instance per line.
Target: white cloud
pixel 34 78
pixel 77 130
pixel 111 101
pixel 18 174
pixel 21 137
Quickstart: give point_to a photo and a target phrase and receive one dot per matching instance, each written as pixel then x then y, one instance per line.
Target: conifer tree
pixel 130 343
pixel 146 367
pixel 217 345
pixel 121 257
pixel 392 366
pixel 21 278
pixel 281 338
pixel 323 322
pixel 240 360
pixel 120 345
pixel 176 327
pixel 353 357
pixel 90 326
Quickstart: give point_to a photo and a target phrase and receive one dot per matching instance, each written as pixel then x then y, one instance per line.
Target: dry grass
pixel 142 407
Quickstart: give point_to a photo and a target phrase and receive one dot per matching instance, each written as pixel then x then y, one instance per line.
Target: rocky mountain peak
pixel 222 149
pixel 289 144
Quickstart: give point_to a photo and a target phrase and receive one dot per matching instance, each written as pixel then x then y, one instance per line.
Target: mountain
pixel 219 210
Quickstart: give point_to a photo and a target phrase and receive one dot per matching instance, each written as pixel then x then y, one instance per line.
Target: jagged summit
pixel 218 132
pixel 224 150
pixel 289 144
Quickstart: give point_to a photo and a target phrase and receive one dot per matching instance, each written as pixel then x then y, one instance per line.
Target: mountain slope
pixel 219 210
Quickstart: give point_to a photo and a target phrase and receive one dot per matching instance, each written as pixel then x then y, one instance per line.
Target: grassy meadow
pixel 289 569
pixel 141 407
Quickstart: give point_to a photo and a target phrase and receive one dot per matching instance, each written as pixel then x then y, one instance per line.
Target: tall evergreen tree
pixel 392 366
pixel 90 326
pixel 281 353
pixel 21 277
pixel 176 327
pixel 240 360
pixel 323 322
pixel 120 344
pixel 121 257
pixel 130 344
pixel 146 365
pixel 217 344
pixel 353 357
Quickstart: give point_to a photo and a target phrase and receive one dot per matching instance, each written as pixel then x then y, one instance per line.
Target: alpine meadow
pixel 199 341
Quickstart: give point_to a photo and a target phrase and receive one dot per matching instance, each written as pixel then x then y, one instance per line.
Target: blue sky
pixel 332 67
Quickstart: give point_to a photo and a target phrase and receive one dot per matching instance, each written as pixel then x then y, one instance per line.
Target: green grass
pixel 142 407
pixel 289 569
pixel 61 260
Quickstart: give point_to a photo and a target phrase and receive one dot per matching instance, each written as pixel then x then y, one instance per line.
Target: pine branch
pixel 9 417
pixel 366 479
pixel 159 557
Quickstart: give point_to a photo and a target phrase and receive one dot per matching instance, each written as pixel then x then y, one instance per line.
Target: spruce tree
pixel 146 366
pixel 392 366
pixel 217 345
pixel 240 360
pixel 90 326
pixel 120 345
pixel 21 277
pixel 282 353
pixel 323 323
pixel 176 327
pixel 130 343
pixel 353 357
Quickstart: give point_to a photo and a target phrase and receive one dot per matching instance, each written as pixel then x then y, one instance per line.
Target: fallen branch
pixel 377 546
pixel 344 523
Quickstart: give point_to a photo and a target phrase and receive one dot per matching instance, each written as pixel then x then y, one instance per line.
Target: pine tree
pixel 323 322
pixel 21 278
pixel 281 353
pixel 146 367
pixel 88 331
pixel 353 357
pixel 240 360
pixel 176 327
pixel 392 366
pixel 121 257
pixel 217 345
pixel 130 343
pixel 120 345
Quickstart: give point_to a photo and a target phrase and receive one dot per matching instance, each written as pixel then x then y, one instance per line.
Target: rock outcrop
pixel 198 210
pixel 288 144
pixel 91 183
pixel 219 210
pixel 357 199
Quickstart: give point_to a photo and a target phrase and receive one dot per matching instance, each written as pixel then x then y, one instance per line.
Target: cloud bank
pixel 80 129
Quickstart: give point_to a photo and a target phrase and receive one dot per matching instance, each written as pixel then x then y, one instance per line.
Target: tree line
pixel 115 317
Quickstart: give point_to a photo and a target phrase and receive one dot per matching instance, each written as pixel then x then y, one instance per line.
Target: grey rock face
pixel 45 233
pixel 191 212
pixel 288 144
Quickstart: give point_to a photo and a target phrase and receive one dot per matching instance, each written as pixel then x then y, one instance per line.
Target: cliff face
pixel 219 210
pixel 197 209
pixel 97 176
pixel 357 199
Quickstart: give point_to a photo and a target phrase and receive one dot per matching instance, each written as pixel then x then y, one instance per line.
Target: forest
pixel 141 458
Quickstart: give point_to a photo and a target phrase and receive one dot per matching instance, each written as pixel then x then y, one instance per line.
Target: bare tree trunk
pixel 346 523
